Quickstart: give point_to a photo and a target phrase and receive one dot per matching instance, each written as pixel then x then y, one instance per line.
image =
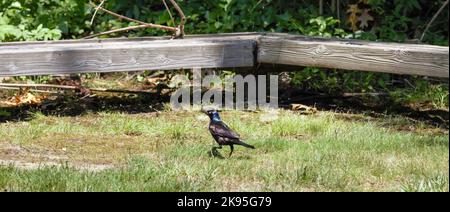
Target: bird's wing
pixel 222 130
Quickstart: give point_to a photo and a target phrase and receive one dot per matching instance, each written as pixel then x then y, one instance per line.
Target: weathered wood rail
pixel 220 51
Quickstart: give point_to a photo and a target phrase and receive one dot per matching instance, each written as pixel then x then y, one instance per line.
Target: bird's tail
pixel 245 145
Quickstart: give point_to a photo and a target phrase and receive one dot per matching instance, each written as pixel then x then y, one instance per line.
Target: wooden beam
pixel 111 55
pixel 219 51
pixel 393 58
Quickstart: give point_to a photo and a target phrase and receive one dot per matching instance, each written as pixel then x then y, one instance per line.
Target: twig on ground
pixel 363 94
pixel 409 84
pixel 37 91
pixel 433 19
pixel 68 87
pixel 329 96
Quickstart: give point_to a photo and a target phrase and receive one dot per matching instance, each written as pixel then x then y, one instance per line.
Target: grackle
pixel 222 133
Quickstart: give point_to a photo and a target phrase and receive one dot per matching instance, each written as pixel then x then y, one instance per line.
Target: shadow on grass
pixel 76 106
pixel 70 105
pixel 376 107
pixel 431 141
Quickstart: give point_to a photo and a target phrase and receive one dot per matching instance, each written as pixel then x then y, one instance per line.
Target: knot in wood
pixel 162 59
pixel 321 50
pixel 400 53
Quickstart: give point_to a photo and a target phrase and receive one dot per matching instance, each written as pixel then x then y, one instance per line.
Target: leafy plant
pixel 16 28
pixel 376 20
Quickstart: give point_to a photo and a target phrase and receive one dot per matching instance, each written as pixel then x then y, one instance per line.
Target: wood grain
pixel 123 55
pixel 219 51
pixel 393 58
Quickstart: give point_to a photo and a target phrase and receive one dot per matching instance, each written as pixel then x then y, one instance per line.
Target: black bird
pixel 222 133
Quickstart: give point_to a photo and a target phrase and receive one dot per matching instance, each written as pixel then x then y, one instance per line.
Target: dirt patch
pixel 34 165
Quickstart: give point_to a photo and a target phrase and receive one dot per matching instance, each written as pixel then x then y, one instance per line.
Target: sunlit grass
pixel 169 151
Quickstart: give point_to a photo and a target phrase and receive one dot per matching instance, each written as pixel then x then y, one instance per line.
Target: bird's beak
pixel 204 111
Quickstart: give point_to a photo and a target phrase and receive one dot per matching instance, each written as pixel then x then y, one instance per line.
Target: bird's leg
pixel 231 148
pixel 216 147
pixel 216 153
pixel 213 150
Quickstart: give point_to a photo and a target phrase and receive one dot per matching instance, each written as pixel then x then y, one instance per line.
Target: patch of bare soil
pixel 27 158
pixel 37 165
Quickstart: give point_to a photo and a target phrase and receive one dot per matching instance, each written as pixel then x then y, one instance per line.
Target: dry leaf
pixel 24 97
pixel 353 16
pixel 156 80
pixel 303 109
pixel 365 18
pixel 353 9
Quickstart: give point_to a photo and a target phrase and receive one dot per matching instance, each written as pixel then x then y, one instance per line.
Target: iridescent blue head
pixel 213 115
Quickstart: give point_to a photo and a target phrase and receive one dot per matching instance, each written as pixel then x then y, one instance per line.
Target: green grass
pixel 168 151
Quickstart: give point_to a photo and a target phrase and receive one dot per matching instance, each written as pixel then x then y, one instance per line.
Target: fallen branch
pixel 68 87
pixel 432 20
pixel 142 24
pixel 32 90
pixel 180 32
pixel 96 10
pixel 157 26
pixel 116 30
pixel 363 94
pixel 180 12
pixel 168 10
pixel 338 96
